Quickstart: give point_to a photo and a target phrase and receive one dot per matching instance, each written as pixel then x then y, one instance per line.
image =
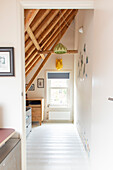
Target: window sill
pixel 59 107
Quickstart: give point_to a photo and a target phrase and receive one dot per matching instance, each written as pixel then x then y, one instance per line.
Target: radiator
pixel 59 115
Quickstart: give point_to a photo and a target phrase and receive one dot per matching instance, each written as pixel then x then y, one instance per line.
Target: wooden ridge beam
pixel 41 27
pixel 34 41
pixel 45 60
pixel 29 17
pixel 37 20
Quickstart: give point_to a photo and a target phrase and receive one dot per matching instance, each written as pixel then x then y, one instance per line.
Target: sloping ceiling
pixel 43 30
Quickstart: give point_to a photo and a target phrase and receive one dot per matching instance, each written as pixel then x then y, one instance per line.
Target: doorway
pixel 60 5
pixel 47 29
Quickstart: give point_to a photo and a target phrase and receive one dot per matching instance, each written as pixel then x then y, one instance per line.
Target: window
pixel 58 89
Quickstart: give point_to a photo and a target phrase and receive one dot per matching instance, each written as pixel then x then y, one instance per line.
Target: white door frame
pixel 41 5
pixel 58 4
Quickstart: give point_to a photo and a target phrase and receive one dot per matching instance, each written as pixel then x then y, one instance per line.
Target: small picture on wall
pixel 40 83
pixel 32 87
pixel 6 61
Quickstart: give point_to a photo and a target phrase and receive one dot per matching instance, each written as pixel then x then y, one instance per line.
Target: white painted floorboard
pixel 55 147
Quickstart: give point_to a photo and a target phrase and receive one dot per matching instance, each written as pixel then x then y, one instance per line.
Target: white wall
pixel 10 87
pixel 102 87
pixel 68 65
pixel 11 115
pixel 101 110
pixel 83 86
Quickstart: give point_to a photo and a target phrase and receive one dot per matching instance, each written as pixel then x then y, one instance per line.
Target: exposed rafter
pixel 43 39
pixel 34 63
pixel 37 20
pixel 32 56
pixel 41 27
pixel 58 32
pixel 30 15
pixel 34 41
pixel 54 22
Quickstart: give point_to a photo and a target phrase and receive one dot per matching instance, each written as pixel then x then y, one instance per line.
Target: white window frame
pixel 48 91
pixel 68 96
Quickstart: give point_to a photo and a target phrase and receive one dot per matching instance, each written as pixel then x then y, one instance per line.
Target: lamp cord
pixel 66 22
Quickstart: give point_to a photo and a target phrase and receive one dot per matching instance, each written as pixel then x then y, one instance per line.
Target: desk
pixel 37 105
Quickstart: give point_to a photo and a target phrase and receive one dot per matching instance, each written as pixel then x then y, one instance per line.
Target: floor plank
pixel 55 147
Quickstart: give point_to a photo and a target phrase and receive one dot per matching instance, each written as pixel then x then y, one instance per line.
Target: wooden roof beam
pixel 29 60
pixel 29 69
pixel 58 32
pixel 54 22
pixel 29 52
pixel 52 52
pixel 37 20
pixel 46 36
pixel 32 63
pixel 29 17
pixel 31 35
pixel 41 27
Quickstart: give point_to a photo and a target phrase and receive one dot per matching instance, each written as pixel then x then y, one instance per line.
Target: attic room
pixel 56 42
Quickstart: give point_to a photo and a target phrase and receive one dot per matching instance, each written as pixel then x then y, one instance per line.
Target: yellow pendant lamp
pixel 59 64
